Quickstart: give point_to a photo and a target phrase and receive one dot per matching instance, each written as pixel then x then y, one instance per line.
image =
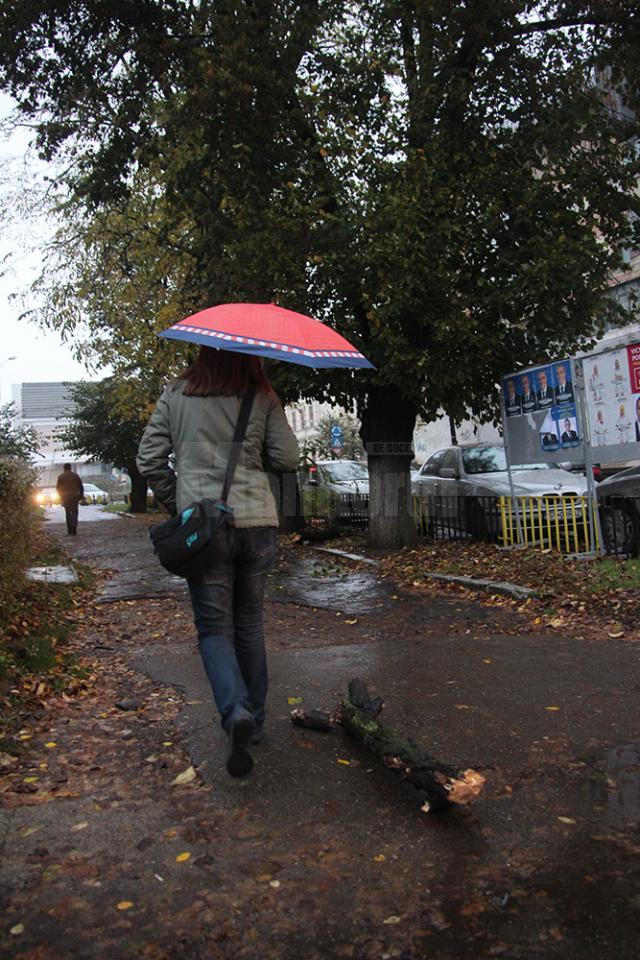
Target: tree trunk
pixel 139 488
pixel 388 420
pixel 452 431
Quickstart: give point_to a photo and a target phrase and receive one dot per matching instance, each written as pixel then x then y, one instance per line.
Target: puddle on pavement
pixel 317 583
pixel 623 778
pixel 55 574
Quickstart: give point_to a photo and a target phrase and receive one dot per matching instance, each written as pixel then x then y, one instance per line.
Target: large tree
pixel 446 181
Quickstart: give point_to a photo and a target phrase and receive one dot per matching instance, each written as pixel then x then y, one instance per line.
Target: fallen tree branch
pixel 444 785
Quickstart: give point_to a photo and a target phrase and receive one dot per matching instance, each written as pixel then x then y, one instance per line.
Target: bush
pixel 16 530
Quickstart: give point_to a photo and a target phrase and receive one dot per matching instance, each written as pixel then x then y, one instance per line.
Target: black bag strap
pixel 236 444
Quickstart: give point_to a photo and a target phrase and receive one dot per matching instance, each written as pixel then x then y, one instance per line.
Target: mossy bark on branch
pixel 443 784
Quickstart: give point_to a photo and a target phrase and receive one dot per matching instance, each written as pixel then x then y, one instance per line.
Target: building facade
pixel 47 407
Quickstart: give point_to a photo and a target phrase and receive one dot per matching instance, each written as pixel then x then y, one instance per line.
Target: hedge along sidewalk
pixel 38 620
pixel 17 528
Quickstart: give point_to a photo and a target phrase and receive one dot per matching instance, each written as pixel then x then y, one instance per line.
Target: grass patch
pixel 35 633
pixel 615 575
pixel 120 507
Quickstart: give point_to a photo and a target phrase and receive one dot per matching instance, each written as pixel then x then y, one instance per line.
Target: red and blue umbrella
pixel 267 330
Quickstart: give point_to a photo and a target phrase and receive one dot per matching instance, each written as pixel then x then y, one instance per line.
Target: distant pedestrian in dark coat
pixel 71 492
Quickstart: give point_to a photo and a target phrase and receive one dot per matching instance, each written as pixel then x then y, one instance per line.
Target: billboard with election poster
pixel 548 408
pixel 541 421
pixel 612 398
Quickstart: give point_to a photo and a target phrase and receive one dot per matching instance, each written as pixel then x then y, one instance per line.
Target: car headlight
pixel 55 496
pixel 39 498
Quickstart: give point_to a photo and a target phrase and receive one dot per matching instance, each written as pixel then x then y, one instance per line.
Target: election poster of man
pixel 564 388
pixel 549 439
pixel 528 396
pixel 568 425
pixel 512 400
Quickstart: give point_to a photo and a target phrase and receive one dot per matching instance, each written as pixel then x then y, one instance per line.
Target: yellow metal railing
pixel 549 522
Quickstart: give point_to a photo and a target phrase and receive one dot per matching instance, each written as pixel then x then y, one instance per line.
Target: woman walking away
pixel 195 420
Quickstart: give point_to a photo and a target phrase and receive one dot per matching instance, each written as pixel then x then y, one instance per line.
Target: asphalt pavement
pixel 545 865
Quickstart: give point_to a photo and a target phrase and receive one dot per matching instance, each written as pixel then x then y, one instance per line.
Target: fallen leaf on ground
pixel 187 776
pixel 17 930
pixel 552 709
pixel 566 819
pixel 182 857
pixel 292 700
pixel 392 919
pixel 124 905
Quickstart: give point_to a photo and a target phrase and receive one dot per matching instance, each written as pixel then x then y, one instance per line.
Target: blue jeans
pixel 227 610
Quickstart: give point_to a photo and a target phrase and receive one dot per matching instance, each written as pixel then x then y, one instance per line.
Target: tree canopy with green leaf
pixel 16 439
pixel 451 184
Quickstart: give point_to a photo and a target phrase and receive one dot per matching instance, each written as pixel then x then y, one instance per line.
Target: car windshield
pixel 493 460
pixel 344 470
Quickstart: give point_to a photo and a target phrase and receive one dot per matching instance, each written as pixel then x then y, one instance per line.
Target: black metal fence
pixel 560 523
pixel 458 518
pixel 346 509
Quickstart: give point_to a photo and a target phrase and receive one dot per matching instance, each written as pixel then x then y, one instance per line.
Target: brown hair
pixel 223 373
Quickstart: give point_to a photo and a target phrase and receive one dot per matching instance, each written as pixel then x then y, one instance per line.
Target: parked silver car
pixel 336 487
pixel 619 501
pixel 464 482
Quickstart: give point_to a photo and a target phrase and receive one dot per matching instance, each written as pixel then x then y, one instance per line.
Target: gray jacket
pixel 199 432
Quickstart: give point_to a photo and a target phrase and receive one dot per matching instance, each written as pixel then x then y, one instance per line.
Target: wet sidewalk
pixel 321 852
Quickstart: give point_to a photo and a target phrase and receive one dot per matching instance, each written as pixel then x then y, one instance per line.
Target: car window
pixel 450 460
pixel 484 460
pixel 432 465
pixel 341 470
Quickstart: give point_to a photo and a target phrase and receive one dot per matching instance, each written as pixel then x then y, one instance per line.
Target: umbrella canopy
pixel 270 331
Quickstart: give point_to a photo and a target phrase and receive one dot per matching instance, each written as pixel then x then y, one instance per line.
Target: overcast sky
pixel 39 355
